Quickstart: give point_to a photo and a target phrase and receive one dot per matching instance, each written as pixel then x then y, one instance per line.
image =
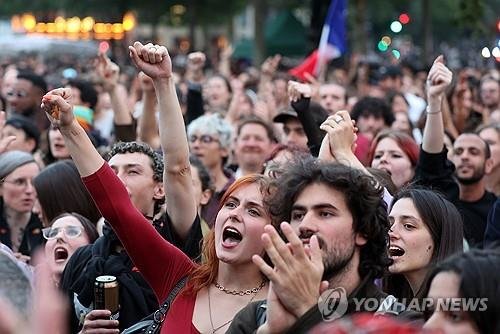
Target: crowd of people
pixel 273 204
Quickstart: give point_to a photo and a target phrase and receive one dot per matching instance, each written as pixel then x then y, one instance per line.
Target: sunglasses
pixel 69 231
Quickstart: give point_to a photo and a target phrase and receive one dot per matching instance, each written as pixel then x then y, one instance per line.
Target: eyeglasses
pixel 69 231
pixel 205 139
pixel 17 93
pixel 19 183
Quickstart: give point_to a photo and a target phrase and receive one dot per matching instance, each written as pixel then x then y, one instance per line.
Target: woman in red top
pixel 228 280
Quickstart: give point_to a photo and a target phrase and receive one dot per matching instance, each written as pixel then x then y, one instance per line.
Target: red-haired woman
pixel 396 153
pixel 228 280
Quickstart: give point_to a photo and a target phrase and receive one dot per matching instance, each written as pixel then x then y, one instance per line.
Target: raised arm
pixel 148 125
pixel 60 112
pixel 300 97
pixel 341 134
pixel 155 62
pixel 113 200
pixel 109 73
pixel 438 80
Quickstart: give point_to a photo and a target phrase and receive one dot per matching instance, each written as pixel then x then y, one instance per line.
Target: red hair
pixel 206 273
pixel 406 143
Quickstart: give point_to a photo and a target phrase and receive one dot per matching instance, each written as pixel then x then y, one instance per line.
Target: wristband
pixel 432 112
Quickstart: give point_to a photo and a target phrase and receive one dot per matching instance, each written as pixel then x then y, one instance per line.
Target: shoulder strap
pixel 159 315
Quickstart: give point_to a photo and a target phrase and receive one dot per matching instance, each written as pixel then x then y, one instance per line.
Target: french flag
pixel 331 45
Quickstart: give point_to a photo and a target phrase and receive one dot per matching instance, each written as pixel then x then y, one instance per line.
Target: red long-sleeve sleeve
pixel 161 263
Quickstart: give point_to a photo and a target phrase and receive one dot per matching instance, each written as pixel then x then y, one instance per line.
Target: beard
pixel 476 176
pixel 335 259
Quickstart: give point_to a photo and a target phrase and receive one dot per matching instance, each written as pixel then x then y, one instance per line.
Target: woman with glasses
pixel 20 230
pixel 66 233
pixel 228 280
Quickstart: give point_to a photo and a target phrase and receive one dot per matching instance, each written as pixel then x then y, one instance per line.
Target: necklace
pixel 240 292
pixel 253 291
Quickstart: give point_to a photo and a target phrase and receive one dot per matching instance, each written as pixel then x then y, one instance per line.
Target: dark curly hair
pixel 363 198
pixel 137 147
pixel 373 106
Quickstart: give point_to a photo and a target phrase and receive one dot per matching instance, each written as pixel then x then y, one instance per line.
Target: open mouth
pixel 396 251
pixel 60 254
pixel 231 236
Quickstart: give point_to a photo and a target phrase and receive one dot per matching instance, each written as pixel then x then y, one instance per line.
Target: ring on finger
pixel 338 119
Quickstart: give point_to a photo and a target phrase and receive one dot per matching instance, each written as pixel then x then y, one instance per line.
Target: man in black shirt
pixel 472 160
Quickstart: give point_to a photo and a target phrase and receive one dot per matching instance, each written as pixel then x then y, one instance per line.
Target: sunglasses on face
pixel 69 231
pixel 205 139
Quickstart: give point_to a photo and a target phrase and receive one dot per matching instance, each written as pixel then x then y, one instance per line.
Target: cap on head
pixel 10 161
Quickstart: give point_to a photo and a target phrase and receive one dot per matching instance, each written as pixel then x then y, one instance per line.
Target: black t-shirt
pixel 475 215
pixel 435 171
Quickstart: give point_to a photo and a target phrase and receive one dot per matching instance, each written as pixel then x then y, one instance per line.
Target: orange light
pixel 41 27
pixel 73 25
pixel 117 28
pixel 29 22
pixel 99 28
pixel 60 24
pixel 128 21
pixel 51 27
pixel 87 24
pixel 16 23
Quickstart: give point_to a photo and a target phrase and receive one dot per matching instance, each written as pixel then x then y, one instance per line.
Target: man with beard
pixel 472 160
pixel 337 239
pixel 462 180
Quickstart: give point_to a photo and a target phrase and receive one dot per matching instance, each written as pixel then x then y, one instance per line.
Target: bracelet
pixel 432 112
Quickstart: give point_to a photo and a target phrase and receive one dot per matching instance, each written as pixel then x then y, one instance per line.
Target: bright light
pixel 396 54
pixel 485 52
pixel 28 21
pixel 495 52
pixel 60 24
pixel 99 28
pixel 87 24
pixel 128 21
pixel 73 25
pixel 41 27
pixel 103 46
pixel 396 26
pixel 382 46
pixel 404 18
pixel 387 40
pixel 117 28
